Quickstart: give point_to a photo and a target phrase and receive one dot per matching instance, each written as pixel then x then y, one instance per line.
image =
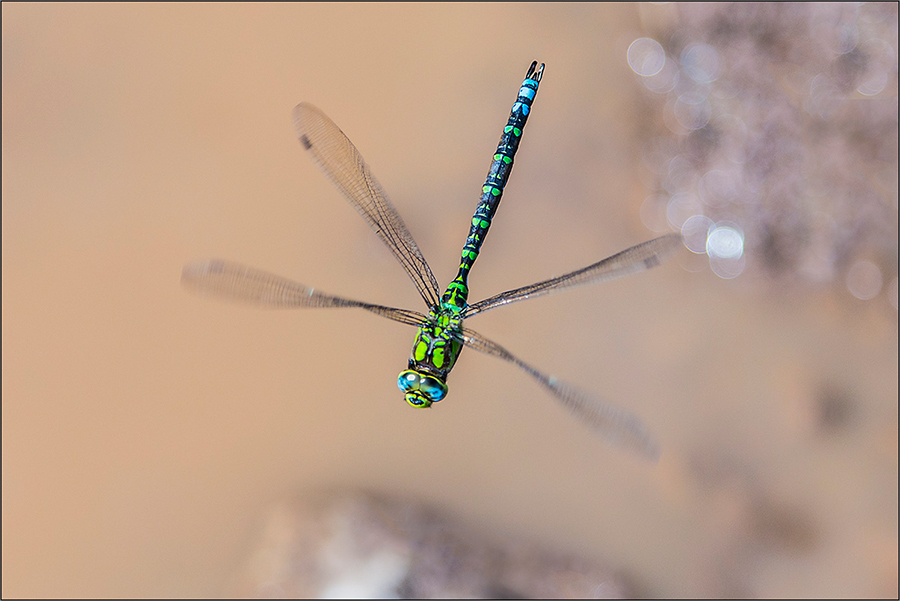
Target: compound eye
pixel 433 388
pixel 408 381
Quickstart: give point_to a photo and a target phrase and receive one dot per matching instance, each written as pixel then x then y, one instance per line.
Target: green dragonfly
pixel 441 335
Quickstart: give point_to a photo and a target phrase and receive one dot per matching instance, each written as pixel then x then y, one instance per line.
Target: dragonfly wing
pixel 638 258
pixel 337 156
pixel 239 283
pixel 615 425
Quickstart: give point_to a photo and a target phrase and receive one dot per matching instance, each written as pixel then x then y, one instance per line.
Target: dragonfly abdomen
pixel 492 191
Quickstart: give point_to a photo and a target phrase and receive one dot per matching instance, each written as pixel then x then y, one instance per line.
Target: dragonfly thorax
pixel 435 350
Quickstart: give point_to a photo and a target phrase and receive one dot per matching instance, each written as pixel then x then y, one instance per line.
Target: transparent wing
pixel 615 425
pixel 632 260
pixel 237 282
pixel 342 163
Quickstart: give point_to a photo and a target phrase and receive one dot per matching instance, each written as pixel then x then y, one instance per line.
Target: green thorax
pixel 438 342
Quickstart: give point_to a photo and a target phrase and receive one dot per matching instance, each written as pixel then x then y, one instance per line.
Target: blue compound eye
pixel 408 380
pixel 433 388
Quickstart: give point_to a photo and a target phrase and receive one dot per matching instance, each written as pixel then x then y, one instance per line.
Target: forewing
pixel 236 282
pixel 337 156
pixel 638 258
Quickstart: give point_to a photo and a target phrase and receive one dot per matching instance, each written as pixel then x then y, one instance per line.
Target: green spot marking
pixel 455 285
pixel 438 357
pixel 421 350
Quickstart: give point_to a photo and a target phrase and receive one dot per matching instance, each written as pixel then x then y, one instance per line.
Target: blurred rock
pixel 362 546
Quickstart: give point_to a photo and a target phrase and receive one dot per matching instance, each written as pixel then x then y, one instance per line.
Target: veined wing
pixel 632 260
pixel 237 282
pixel 342 163
pixel 615 425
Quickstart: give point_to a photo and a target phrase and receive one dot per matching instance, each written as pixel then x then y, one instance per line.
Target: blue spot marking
pixel 527 92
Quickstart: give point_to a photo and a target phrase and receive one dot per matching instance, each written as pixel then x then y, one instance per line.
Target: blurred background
pixel 147 432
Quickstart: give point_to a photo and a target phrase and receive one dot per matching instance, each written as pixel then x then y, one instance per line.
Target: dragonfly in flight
pixel 441 334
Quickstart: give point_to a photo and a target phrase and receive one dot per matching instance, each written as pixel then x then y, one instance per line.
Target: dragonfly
pixel 441 335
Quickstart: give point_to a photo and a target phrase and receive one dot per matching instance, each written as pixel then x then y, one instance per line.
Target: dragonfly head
pixel 422 389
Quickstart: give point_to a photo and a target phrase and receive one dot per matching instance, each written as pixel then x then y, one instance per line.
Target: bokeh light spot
pixel 864 280
pixel 695 233
pixel 700 62
pixel 664 81
pixel 725 242
pixel 646 57
pixel 692 111
pixel 727 268
pixel 682 207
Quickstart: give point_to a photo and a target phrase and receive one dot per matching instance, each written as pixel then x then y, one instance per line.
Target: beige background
pixel 146 430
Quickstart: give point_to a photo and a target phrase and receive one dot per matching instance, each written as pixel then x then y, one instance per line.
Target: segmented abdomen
pixel 492 191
